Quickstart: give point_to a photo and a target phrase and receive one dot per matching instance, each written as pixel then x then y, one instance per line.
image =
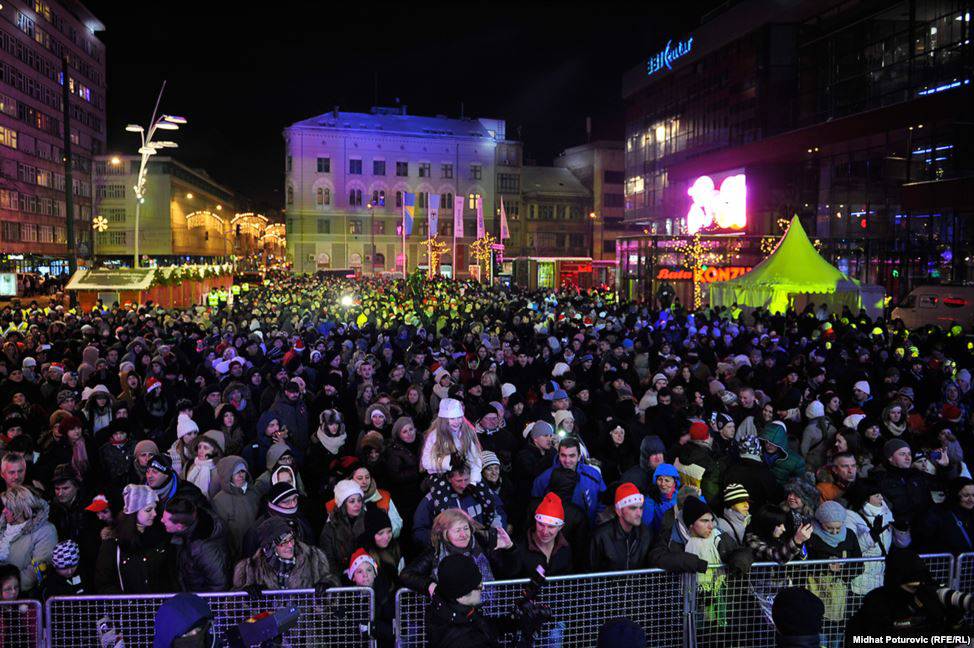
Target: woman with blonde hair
pixel 415 406
pixel 455 532
pixel 27 538
pixel 451 437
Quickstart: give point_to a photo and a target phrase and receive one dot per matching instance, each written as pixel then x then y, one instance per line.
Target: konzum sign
pixel 710 275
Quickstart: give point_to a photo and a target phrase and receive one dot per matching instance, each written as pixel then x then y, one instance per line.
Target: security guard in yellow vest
pixel 213 299
pixel 235 289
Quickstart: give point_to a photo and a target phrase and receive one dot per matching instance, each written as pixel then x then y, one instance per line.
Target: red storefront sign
pixel 709 275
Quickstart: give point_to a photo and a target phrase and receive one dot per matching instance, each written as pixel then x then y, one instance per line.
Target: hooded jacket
pixel 34 542
pixel 133 562
pixel 786 465
pixel 236 506
pixel 272 460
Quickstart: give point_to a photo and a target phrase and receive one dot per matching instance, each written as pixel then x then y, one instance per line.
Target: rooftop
pixel 395 121
pixel 551 181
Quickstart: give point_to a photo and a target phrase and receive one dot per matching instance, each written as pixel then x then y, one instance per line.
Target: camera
pixel 530 613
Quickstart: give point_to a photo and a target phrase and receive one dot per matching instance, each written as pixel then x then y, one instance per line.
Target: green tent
pixel 792 276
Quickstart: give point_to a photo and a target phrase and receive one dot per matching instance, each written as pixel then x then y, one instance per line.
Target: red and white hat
pixel 550 511
pixel 98 504
pixel 152 383
pixel 628 495
pixel 359 558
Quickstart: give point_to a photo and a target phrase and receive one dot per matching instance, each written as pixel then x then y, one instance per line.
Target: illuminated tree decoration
pixel 481 250
pixel 698 255
pixel 434 249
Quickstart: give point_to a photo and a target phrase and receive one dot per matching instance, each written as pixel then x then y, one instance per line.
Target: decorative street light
pixel 100 223
pixel 147 150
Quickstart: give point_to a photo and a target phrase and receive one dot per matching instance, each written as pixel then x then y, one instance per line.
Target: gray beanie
pixel 892 446
pixel 137 497
pixel 541 428
pixel 830 513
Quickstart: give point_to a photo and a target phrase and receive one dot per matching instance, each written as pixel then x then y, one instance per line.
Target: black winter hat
pixel 457 576
pixel 375 520
pixel 693 510
pixel 796 612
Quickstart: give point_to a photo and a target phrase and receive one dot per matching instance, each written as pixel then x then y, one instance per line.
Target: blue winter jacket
pixel 586 495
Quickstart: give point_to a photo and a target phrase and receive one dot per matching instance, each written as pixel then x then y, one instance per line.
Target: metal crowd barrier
pixel 964 578
pixel 341 618
pixel 20 624
pixel 579 604
pixel 735 610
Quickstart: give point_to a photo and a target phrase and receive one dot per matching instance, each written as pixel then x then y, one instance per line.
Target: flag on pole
pixel 458 217
pixel 434 215
pixel 480 217
pixel 408 212
pixel 505 233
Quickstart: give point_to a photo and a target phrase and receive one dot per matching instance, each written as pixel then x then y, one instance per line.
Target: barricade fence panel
pixel 733 609
pixel 579 605
pixel 340 618
pixel 20 624
pixel 964 577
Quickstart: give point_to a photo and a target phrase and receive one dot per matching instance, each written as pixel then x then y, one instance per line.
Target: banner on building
pixel 408 213
pixel 505 233
pixel 480 217
pixel 434 215
pixel 458 217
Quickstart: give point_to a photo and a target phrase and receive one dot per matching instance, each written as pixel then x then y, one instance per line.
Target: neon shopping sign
pixel 723 208
pixel 665 57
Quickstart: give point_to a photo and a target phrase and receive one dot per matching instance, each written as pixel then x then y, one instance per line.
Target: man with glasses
pixel 283 562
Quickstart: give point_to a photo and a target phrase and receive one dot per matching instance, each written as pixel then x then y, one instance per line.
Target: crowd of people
pixel 327 431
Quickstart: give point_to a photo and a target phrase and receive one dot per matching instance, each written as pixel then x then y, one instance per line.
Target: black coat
pixel 135 563
pixel 907 491
pixel 202 555
pixel 529 557
pixel 613 549
pixel 757 480
pixel 451 625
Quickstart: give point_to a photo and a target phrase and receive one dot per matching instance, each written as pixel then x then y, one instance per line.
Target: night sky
pixel 240 73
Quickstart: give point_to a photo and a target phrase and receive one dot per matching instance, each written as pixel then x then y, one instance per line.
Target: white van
pixel 943 306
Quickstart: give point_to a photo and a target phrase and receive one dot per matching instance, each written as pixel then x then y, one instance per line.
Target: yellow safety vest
pixel 213 299
pixel 235 289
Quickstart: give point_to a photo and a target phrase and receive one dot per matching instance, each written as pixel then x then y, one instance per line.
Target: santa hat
pixel 359 558
pixel 98 504
pixel 550 511
pixel 152 383
pixel 628 495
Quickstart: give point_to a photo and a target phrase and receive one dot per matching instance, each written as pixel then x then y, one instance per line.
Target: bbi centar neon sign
pixel 665 57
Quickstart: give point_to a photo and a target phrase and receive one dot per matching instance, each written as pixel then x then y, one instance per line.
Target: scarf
pixel 10 533
pixel 738 523
pixel 282 568
pixel 705 548
pixel 79 459
pixel 831 539
pixel 443 495
pixel 894 428
pixel 331 443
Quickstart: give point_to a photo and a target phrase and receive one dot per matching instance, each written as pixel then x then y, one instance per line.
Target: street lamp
pixel 147 150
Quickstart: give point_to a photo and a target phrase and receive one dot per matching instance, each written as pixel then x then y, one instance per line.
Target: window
pixel 354 226
pixel 576 241
pixel 509 182
pixel 614 177
pixel 8 137
pixel 379 227
pixel 288 164
pixel 11 231
pixel 290 193
pixel 110 191
pixel 114 214
pixel 378 167
pixel 398 199
pixel 446 201
pixel 472 201
pixel 379 198
pixel 476 171
pixel 355 167
pixel 324 165
pixel 447 170
pixel 113 238
pixel 354 197
pixel 560 211
pixel 324 226
pixel 547 212
pixel 402 169
pixel 8 105
pixel 424 169
pixel 320 196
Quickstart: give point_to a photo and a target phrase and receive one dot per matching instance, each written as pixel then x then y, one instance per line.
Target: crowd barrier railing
pixel 735 610
pixel 342 617
pixel 21 625
pixel 579 604
pixel 964 573
pixel 713 610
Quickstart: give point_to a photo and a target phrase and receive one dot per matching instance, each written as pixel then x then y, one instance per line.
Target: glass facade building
pixel 853 115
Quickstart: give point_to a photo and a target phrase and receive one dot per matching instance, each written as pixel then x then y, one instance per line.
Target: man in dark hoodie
pixel 797 616
pixel 293 413
pixel 753 474
pixel 200 539
pixel 909 604
pixel 186 617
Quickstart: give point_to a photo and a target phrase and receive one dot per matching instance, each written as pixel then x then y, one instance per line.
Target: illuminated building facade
pixel 853 115
pixel 36 38
pixel 186 216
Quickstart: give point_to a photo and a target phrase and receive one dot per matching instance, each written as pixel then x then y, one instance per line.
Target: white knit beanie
pixel 345 489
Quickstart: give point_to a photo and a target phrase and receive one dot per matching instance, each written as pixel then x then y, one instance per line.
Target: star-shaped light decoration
pixel 100 223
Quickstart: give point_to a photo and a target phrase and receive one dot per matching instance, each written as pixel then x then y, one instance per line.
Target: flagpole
pixel 402 228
